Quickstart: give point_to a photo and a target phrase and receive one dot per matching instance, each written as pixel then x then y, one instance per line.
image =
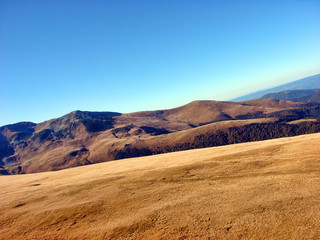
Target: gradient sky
pixel 57 56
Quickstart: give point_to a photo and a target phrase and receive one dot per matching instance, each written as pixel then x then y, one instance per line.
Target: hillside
pixel 227 192
pixel 312 82
pixel 82 138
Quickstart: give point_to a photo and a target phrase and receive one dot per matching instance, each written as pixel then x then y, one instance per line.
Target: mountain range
pixel 312 82
pixel 303 95
pixel 82 137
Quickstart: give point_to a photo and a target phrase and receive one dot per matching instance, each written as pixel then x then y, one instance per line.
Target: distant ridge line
pixel 311 82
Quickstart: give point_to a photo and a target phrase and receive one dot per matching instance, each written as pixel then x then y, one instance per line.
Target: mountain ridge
pixel 311 82
pixel 82 137
pixel 305 95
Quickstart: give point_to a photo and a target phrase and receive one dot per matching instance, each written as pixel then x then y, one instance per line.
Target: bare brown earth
pixel 259 190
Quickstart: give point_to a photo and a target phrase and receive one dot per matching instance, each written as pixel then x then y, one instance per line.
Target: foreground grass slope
pixel 258 190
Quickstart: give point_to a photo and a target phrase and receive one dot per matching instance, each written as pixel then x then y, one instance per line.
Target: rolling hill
pixel 82 138
pixel 260 190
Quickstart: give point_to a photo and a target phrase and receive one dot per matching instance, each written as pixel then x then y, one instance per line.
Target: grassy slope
pixel 258 190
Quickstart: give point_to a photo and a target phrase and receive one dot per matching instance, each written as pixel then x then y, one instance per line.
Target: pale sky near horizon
pixel 57 56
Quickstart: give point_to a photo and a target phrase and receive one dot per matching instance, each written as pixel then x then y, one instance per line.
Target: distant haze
pixel 312 82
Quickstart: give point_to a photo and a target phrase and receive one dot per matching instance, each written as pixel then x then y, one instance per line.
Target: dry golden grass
pixel 303 120
pixel 260 190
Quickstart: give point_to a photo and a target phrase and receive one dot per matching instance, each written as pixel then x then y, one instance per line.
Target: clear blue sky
pixel 57 56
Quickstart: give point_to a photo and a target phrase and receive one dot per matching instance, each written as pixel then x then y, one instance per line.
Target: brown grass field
pixel 259 190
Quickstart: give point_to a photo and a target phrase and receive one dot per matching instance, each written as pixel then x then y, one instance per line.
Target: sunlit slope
pixel 260 190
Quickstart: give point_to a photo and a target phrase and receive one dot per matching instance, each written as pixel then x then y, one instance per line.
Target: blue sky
pixel 57 56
